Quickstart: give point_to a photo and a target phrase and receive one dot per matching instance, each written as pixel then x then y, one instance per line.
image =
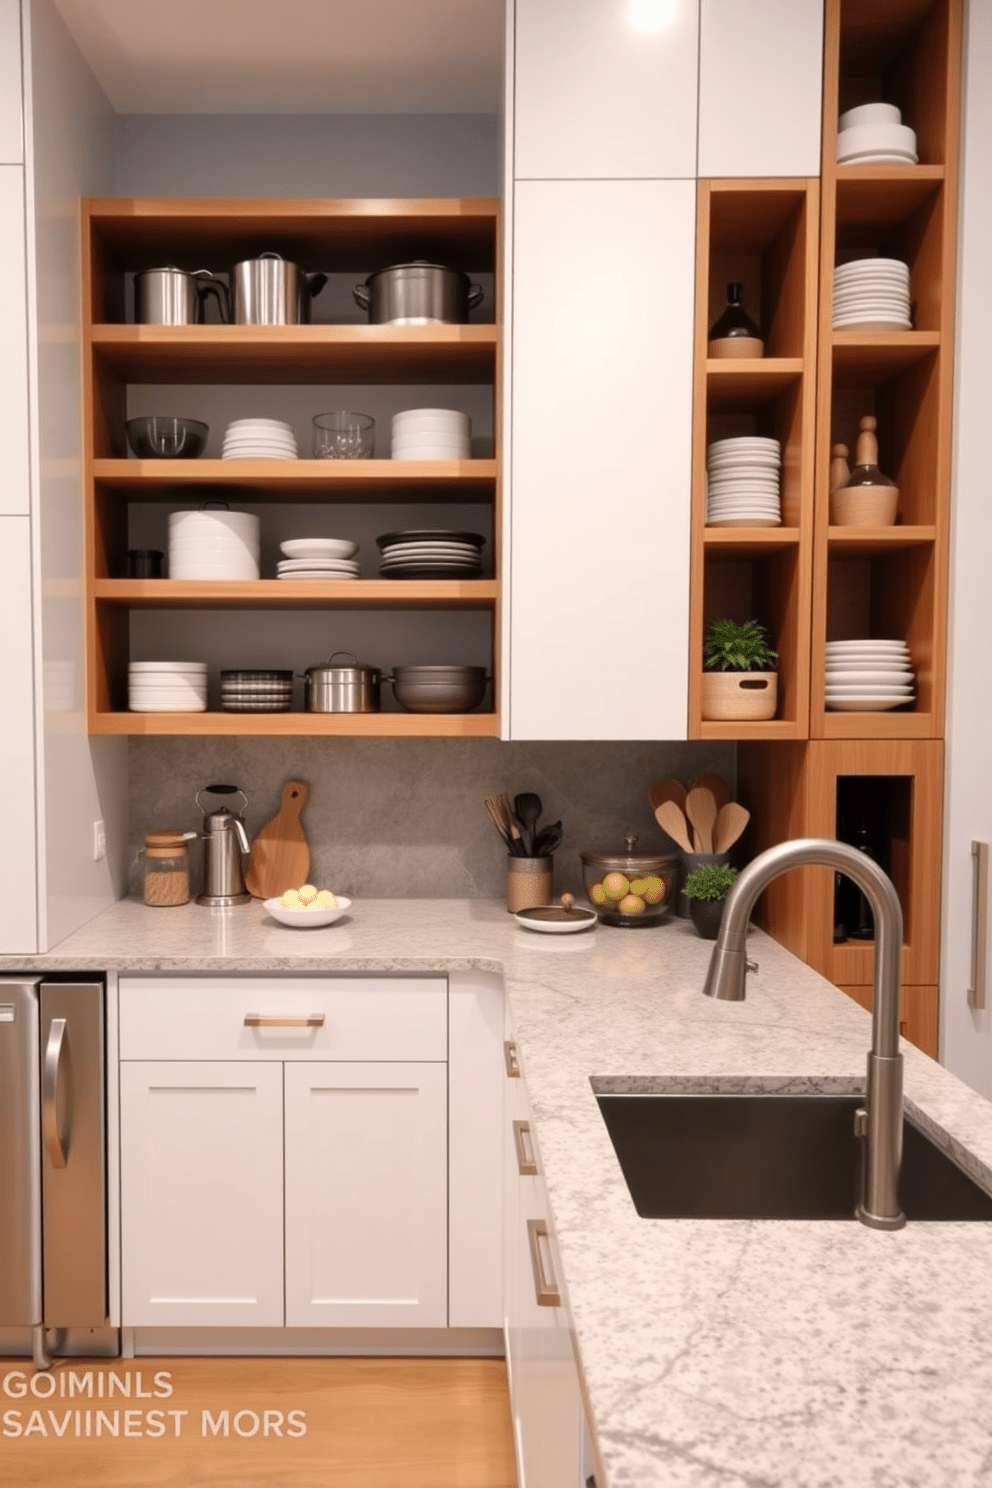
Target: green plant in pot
pixel 739 677
pixel 706 889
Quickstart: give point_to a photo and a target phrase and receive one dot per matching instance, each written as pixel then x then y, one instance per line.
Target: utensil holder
pixel 528 882
pixel 688 863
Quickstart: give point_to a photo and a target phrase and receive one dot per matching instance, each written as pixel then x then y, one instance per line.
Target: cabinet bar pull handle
pixel 271 1020
pixel 526 1161
pixel 55 1139
pixel 510 1059
pixel 546 1291
pixel 979 938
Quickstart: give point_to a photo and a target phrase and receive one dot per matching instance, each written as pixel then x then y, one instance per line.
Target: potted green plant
pixel 739 677
pixel 706 889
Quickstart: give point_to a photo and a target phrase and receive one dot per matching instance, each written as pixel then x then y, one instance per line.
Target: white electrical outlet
pixel 99 841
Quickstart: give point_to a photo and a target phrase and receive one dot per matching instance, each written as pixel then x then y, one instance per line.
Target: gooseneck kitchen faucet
pixel 726 980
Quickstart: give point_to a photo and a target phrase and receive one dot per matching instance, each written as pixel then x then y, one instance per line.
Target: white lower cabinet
pixel 276 1186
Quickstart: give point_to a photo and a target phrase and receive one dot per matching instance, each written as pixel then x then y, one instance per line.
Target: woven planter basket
pixel 739 695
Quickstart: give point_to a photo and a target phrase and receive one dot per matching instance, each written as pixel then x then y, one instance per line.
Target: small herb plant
pixel 713 881
pixel 734 647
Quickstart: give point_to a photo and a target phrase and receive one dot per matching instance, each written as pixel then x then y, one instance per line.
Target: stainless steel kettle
pixel 224 842
pixel 269 290
pixel 170 296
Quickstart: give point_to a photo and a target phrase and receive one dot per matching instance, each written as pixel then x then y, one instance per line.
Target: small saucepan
pixel 341 689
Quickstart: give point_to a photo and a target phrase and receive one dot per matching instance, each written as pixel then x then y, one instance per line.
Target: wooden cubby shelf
pixel 245 624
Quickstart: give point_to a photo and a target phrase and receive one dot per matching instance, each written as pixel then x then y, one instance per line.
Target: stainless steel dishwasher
pixel 53 1170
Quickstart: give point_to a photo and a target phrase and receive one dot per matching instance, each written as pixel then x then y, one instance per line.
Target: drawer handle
pixel 272 1020
pixel 546 1291
pixel 976 992
pixel 510 1059
pixel 526 1161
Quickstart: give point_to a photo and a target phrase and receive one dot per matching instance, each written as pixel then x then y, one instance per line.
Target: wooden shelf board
pixel 883 193
pixel 750 381
pixel 371 725
pixel 287 594
pixel 872 542
pixel 748 542
pixel 872 726
pixel 774 728
pixel 305 354
pixel 307 480
pixel 860 356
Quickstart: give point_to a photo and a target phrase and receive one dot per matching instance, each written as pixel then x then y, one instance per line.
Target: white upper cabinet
pixel 11 85
pixel 600 461
pixel 599 95
pixel 18 897
pixel 760 87
pixel 15 494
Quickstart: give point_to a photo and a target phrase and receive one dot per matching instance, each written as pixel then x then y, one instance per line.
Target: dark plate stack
pixel 430 554
pixel 256 691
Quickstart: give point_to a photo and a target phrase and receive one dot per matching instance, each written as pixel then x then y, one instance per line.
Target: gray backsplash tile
pixel 403 818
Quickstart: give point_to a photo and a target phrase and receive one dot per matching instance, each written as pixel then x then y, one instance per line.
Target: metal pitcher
pixel 224 842
pixel 269 290
pixel 172 296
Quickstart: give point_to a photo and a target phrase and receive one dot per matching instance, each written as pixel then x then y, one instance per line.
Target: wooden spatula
pixel 714 783
pixel 700 808
pixel 730 823
pixel 671 820
pixel 667 790
pixel 279 857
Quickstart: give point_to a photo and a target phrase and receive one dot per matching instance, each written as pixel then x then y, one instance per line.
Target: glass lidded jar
pixel 628 888
pixel 165 869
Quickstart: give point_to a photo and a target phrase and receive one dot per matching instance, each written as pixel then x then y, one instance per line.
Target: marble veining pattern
pixel 712 1354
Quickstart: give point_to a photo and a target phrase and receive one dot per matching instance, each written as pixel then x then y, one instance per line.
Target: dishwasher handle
pixel 53 1070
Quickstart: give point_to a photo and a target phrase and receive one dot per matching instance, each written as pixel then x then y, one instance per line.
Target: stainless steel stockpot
pixel 418 293
pixel 269 290
pixel 341 689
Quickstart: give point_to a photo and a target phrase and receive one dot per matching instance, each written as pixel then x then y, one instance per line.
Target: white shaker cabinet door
pixel 596 94
pixel 600 459
pixel 18 880
pixel 11 84
pixel 14 486
pixel 760 87
pixel 201 1194
pixel 366 1195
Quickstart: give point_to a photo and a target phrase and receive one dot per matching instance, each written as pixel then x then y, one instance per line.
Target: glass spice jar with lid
pixel 166 868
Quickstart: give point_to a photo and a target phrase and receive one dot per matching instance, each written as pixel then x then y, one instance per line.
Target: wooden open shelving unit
pixel 121 237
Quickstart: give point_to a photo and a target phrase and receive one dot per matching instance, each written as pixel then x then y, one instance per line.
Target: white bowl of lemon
pixel 307 908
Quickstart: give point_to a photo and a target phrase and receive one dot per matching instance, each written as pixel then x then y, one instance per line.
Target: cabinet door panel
pixel 15 494
pixel 760 87
pixel 600 463
pixel 18 888
pixel 366 1195
pixel 201 1194
pixel 11 84
pixel 596 96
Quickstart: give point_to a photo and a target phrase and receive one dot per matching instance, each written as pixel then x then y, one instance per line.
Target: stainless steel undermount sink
pixel 770 1156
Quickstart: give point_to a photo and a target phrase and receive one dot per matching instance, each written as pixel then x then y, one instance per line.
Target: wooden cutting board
pixel 280 857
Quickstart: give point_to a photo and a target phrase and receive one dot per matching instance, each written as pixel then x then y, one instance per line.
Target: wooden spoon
pixel 671 820
pixel 700 808
pixel 714 783
pixel 730 823
pixel 667 790
pixel 527 808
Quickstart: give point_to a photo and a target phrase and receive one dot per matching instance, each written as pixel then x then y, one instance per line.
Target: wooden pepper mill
pixel 869 498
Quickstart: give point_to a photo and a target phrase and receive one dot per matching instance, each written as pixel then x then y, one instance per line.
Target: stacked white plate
pixel 167 686
pixel 431 434
pixel 874 134
pixel 259 439
pixel 317 568
pixel 872 294
pixel 430 554
pixel 868 676
pixel 214 545
pixel 742 482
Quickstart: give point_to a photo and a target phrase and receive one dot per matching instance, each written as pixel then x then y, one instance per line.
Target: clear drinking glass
pixel 341 435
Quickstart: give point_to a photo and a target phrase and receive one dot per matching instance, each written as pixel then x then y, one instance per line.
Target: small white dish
pixel 877 135
pixel 546 920
pixel 319 547
pixel 306 919
pixel 869 113
pixel 866 704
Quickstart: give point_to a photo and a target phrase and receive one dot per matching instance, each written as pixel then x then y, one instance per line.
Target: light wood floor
pixel 361 1423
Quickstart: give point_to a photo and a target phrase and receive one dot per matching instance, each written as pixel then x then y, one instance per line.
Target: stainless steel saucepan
pixel 269 290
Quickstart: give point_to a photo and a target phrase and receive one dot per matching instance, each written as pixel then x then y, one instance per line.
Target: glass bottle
pixel 868 498
pixel 735 333
pixel 166 868
pixel 865 471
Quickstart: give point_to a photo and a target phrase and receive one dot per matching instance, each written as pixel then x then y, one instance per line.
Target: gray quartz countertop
pixel 723 1354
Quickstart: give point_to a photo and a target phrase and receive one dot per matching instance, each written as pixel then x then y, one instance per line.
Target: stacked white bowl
pixel 874 134
pixel 318 558
pixel 167 686
pixel 214 545
pixel 872 294
pixel 431 434
pixel 742 482
pixel 259 439
pixel 868 676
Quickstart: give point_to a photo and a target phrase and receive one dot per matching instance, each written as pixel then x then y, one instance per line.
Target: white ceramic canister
pixel 214 545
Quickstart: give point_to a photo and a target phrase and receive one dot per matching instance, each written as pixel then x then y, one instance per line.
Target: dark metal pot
pixel 418 293
pixel 341 689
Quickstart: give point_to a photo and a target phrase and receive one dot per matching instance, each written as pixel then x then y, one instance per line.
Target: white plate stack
pixel 318 558
pixel 868 676
pixel 430 554
pixel 743 481
pixel 431 434
pixel 214 545
pixel 167 686
pixel 872 294
pixel 259 439
pixel 874 134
